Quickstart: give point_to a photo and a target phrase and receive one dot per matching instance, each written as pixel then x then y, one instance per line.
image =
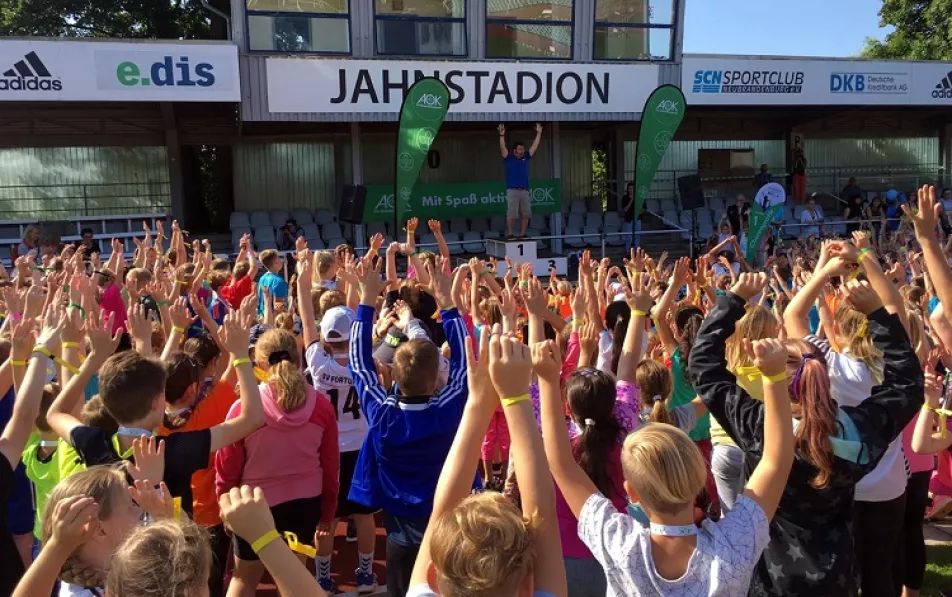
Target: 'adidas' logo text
pixel 943 89
pixel 29 74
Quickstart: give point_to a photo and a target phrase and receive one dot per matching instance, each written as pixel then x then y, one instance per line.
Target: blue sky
pixel 781 27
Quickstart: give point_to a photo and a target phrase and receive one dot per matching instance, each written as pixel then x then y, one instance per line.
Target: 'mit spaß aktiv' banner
pixel 660 119
pixel 424 108
pixel 459 200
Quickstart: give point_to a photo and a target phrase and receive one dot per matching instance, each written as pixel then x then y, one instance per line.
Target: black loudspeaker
pixel 352 204
pixel 692 193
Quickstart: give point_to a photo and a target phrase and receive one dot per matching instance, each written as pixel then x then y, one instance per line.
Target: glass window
pixel 531 10
pixel 529 28
pixel 634 29
pixel 529 41
pixel 311 6
pixel 420 27
pixel 450 9
pixel 632 43
pixel 294 33
pixel 656 12
pixel 427 38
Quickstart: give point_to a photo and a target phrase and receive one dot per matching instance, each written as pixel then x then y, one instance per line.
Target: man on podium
pixel 516 163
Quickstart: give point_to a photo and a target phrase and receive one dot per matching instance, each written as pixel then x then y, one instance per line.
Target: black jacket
pixel 811 544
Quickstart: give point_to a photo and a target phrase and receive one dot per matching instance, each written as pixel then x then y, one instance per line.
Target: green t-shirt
pixel 683 394
pixel 68 461
pixel 44 474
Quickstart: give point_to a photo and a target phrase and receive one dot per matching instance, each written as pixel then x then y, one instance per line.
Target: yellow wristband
pixel 265 540
pixel 776 378
pixel 298 547
pixel 42 350
pixel 70 344
pixel 68 366
pixel 176 328
pixel 241 361
pixel 514 400
pixel 927 408
pixel 177 508
pixel 638 312
pixel 18 363
pixel 863 255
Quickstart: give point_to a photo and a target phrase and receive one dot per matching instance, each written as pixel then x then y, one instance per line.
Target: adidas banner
pixel 660 119
pixel 741 81
pixel 424 108
pixel 80 70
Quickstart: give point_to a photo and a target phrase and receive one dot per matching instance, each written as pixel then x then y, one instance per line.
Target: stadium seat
pixel 593 218
pixel 498 224
pixel 479 225
pixel 260 219
pixel 312 235
pixel 453 240
pixel 704 228
pixel 458 225
pixel 716 203
pixel 653 205
pixel 236 234
pixel 428 243
pixel 593 204
pixel 592 236
pixel 669 204
pixel 473 243
pixel 238 219
pixel 540 244
pixel 376 228
pixel 332 235
pixel 539 222
pixel 717 215
pixel 577 206
pixel 613 219
pixel 573 237
pixel 671 217
pixel 576 220
pixel 279 218
pixel 494 234
pixel 324 216
pixel 302 217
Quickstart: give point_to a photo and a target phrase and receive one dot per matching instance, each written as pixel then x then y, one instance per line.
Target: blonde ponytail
pixel 855 327
pixel 277 352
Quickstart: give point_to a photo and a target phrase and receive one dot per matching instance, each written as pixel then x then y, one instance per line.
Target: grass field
pixel 938 581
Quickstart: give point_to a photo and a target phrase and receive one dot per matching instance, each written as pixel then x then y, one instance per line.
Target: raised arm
pixel 796 316
pixel 437 229
pixel 501 129
pixel 235 331
pixel 639 301
pixel 924 220
pixel 305 306
pixel 372 395
pixel 681 270
pixel 926 439
pixel 538 139
pixel 866 257
pixel 767 482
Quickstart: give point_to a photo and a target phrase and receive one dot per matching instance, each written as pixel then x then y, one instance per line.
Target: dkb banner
pixel 459 200
pixel 768 205
pixel 421 116
pixel 660 119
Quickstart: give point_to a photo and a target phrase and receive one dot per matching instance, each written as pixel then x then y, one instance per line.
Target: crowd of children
pixel 178 425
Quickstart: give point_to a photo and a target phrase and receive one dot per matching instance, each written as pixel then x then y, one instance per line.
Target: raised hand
pixel 501 128
pixel 769 355
pixel 23 340
pixel 148 463
pixel 234 333
pixel 861 239
pixel 477 371
pixel 179 314
pixel 638 296
pixel 546 360
pixel 440 285
pixel 538 128
pixel 510 365
pixel 933 388
pixel 156 501
pixel 507 305
pixel 138 324
pixel 861 296
pixel 245 511
pixel 924 218
pixel 435 227
pixel 412 225
pixel 535 299
pixel 749 285
pixel 53 323
pixel 588 338
pixel 403 313
pixel 371 285
pixel 74 521
pixel 376 241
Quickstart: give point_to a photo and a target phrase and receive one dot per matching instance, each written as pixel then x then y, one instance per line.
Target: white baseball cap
pixel 336 323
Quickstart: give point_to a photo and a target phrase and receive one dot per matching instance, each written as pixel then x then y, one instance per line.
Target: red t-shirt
pixel 235 291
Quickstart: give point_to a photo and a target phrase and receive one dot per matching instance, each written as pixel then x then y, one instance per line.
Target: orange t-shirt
pixel 210 412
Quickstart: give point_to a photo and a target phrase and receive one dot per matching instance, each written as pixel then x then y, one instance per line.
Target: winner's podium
pixel 524 251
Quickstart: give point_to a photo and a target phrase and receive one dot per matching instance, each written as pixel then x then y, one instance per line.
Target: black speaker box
pixel 352 204
pixel 692 193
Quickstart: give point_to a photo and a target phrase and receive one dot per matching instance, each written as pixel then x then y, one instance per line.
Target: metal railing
pixel 57 202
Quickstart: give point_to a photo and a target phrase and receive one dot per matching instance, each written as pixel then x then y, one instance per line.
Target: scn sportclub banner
pixel 459 200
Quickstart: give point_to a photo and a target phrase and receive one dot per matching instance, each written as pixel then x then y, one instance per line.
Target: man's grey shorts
pixel 519 204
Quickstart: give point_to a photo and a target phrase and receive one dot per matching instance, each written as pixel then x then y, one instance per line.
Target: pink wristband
pixel 16 316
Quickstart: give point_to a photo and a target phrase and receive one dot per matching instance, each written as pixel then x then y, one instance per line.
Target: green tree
pixel 923 31
pixel 159 19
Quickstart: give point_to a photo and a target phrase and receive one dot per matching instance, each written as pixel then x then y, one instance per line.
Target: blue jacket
pixel 403 454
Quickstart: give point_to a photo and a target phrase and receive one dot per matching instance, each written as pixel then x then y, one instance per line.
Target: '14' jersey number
pixel 351 403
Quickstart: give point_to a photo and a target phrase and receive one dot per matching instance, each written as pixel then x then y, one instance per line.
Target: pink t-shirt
pixel 111 302
pixel 917 462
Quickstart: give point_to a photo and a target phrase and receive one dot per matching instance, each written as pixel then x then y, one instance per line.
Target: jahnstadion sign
pixel 378 86
pixel 74 70
pixel 459 200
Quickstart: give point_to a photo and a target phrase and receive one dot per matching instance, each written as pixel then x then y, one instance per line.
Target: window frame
pixel 341 16
pixel 421 19
pixel 505 21
pixel 672 27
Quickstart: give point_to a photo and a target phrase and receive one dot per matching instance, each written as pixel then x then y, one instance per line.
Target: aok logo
pixel 668 107
pixel 166 73
pixel 430 100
